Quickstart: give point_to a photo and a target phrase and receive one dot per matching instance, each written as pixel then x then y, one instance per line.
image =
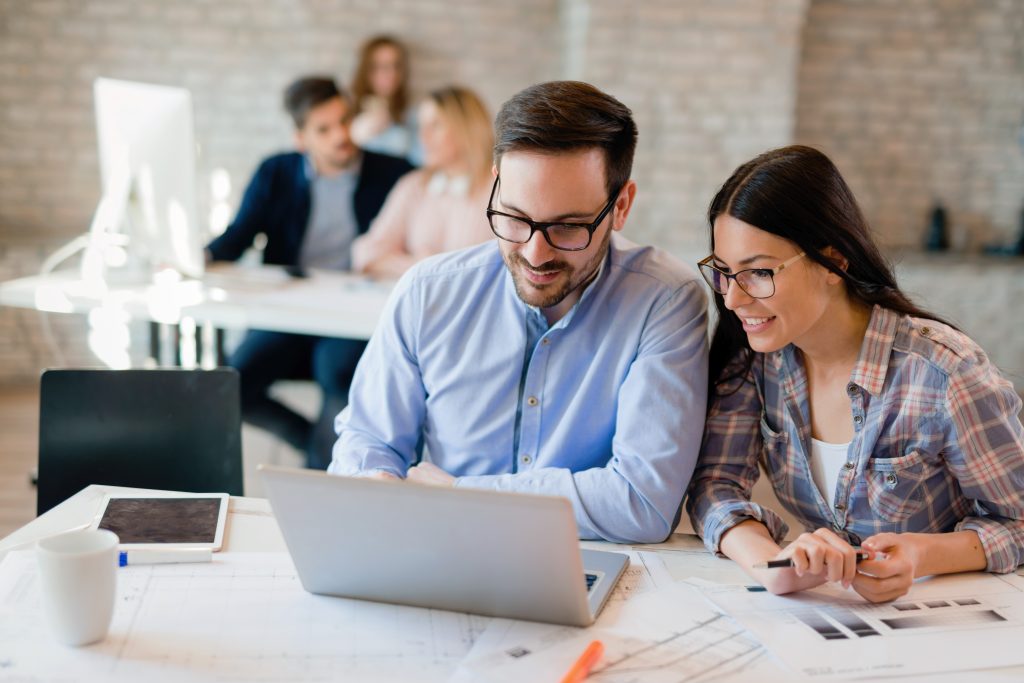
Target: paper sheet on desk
pixel 668 635
pixel 962 622
pixel 654 630
pixel 685 557
pixel 244 617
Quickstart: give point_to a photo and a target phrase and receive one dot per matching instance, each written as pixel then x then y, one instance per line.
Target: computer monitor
pixel 147 219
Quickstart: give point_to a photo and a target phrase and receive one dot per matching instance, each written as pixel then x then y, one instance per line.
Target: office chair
pixel 166 429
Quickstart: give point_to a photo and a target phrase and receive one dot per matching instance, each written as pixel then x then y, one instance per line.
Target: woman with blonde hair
pixel 383 122
pixel 441 207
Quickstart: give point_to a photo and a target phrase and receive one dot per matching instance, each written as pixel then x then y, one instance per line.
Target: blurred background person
pixel 309 204
pixel 384 122
pixel 441 207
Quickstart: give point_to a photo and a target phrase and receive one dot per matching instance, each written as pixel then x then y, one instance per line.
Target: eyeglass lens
pixel 757 282
pixel 560 236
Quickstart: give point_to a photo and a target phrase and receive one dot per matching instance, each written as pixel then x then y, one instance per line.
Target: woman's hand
pixel 822 555
pixel 817 557
pixel 372 120
pixel 885 579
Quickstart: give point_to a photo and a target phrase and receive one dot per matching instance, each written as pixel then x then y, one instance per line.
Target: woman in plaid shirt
pixel 878 424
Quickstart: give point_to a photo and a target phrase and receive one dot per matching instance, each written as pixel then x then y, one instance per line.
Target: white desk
pixel 251 526
pixel 196 650
pixel 326 303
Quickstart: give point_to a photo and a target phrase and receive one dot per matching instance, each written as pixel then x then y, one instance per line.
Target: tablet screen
pixel 162 520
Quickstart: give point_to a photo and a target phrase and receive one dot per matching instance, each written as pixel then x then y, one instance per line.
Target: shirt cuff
pixel 728 515
pixel 479 482
pixel 1002 551
pixel 348 468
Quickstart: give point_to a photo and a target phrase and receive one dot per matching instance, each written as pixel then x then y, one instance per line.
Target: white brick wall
pixel 981 295
pixel 913 97
pixel 236 56
pixel 918 100
pixel 710 84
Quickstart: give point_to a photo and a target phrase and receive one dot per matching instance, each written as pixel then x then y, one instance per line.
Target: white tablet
pixel 179 520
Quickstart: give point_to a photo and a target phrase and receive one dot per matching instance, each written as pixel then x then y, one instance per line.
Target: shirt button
pixel 545 341
pixel 526 459
pixel 891 479
pixel 848 465
pixel 851 389
pixel 925 331
pixel 858 419
pixel 840 507
pixel 532 401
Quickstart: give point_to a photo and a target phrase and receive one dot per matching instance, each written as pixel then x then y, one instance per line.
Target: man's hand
pixel 382 475
pixel 881 580
pixel 428 473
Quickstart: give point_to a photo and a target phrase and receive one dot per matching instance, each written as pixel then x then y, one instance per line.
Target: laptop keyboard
pixel 591 580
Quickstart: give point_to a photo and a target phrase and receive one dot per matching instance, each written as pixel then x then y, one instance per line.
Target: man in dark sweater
pixel 310 205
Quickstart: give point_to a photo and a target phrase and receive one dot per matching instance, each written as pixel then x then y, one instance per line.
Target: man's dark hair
pixel 307 93
pixel 566 116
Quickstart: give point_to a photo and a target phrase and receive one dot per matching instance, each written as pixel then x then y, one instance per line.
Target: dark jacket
pixel 277 204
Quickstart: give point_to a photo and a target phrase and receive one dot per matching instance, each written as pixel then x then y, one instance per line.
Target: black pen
pixel 788 562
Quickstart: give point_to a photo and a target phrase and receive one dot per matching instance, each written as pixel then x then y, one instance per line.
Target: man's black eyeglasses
pixel 562 236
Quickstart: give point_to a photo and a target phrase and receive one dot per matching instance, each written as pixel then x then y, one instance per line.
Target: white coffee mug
pixel 78 575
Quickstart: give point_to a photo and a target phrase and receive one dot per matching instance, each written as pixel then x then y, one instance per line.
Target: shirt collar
pixel 452 185
pixel 591 287
pixel 309 168
pixel 873 362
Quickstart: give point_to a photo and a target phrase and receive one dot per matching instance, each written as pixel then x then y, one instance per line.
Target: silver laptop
pixel 498 554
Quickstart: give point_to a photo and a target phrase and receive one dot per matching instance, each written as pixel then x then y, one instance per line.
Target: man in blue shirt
pixel 310 205
pixel 557 360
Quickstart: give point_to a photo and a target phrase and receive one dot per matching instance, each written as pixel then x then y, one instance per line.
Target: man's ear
pixel 623 205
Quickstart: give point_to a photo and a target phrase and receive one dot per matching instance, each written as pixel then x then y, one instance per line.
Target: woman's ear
pixel 838 260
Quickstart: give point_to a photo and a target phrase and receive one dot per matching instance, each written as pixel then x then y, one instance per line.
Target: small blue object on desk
pixel 132 557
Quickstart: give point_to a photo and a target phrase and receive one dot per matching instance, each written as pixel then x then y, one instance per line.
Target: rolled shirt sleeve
pixel 379 429
pixel 728 467
pixel 987 460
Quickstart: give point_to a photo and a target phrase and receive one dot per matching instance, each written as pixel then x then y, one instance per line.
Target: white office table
pixel 326 303
pixel 411 643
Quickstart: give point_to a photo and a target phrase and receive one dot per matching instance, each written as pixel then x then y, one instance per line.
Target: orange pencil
pixel 583 665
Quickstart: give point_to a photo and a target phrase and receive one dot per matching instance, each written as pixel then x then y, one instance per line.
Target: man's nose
pixel 344 132
pixel 537 251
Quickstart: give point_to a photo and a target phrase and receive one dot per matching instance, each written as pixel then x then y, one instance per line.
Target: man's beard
pixel 542 298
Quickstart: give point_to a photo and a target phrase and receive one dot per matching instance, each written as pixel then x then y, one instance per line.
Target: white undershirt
pixel 827 460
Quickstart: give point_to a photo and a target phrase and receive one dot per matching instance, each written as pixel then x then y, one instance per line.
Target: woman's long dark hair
pixel 797 193
pixel 361 81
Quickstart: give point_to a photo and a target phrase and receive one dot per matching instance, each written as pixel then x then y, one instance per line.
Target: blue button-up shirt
pixel 605 407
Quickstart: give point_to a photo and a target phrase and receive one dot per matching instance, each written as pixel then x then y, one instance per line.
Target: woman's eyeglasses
pixel 758 283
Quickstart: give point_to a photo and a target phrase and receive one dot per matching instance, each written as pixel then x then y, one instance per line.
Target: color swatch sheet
pixel 962 622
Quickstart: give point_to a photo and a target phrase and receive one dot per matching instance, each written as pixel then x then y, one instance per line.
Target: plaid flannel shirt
pixel 937 447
